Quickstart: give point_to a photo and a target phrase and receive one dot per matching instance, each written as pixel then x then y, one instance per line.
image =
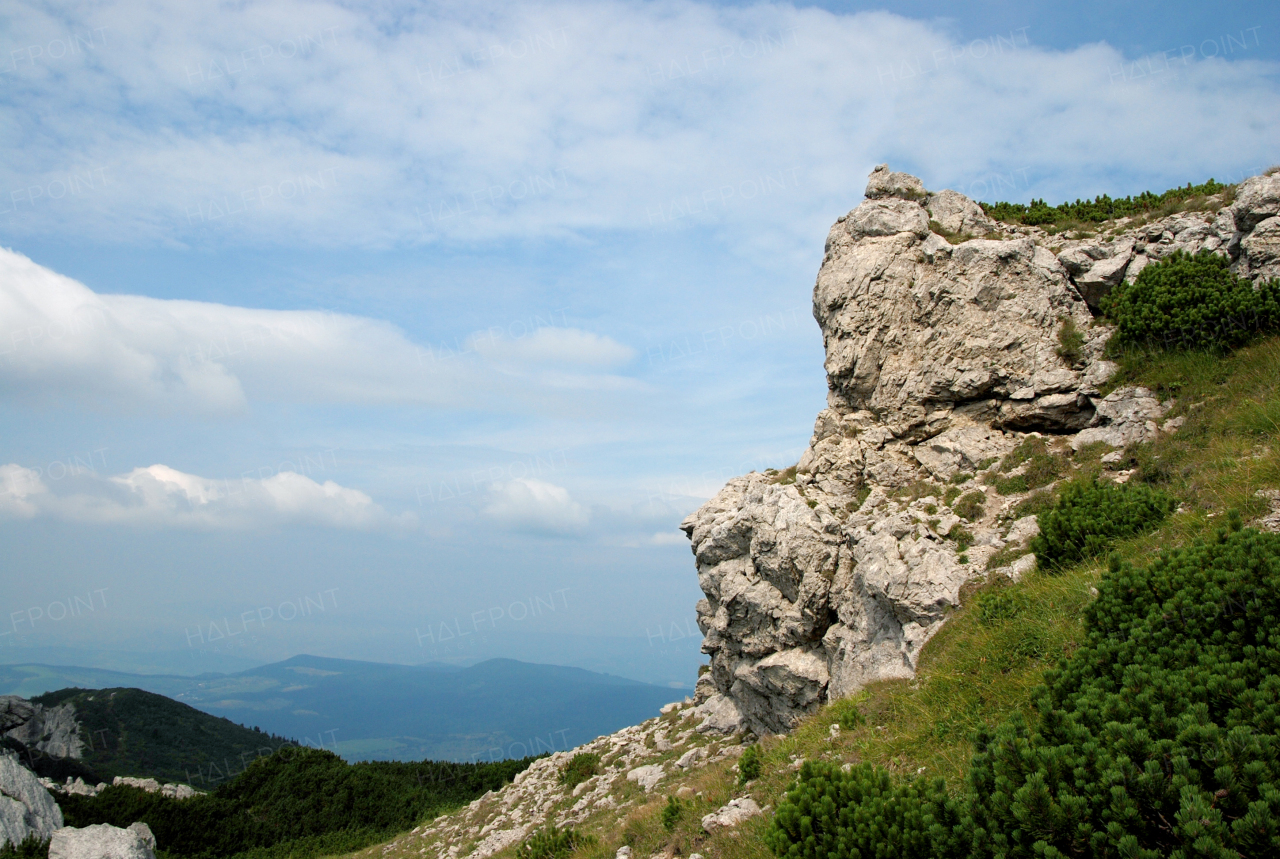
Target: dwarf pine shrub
pixel 1158 737
pixel 1090 515
pixel 1191 302
pixel 1102 208
pixel 749 764
pixel 862 812
pixel 580 767
pixel 671 813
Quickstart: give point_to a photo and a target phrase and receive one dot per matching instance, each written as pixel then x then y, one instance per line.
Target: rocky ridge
pixel 943 357
pixel 79 787
pixel 656 757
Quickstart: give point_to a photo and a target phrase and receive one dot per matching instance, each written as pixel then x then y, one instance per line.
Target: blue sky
pixel 423 317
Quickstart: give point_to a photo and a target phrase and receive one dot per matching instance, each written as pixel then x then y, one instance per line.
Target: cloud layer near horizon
pixel 62 342
pixel 160 496
pixel 493 122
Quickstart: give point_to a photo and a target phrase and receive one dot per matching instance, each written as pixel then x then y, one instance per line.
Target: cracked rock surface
pixel 940 359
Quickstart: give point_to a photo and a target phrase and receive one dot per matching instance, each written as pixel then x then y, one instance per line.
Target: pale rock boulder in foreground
pixel 940 357
pixel 103 841
pixel 26 808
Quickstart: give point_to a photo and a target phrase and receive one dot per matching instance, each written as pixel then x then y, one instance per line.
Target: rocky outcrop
pixel 635 763
pixel 78 787
pixel 735 812
pixel 103 841
pixel 1247 230
pixel 940 359
pixel 52 730
pixel 26 808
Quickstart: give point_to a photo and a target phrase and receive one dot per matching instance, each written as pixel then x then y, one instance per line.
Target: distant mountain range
pixel 377 711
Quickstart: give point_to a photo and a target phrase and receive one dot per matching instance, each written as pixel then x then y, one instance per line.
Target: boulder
pixel 1103 275
pixel 1123 417
pixel 646 776
pixel 1260 250
pixel 26 807
pixel 730 815
pixel 103 841
pixel 883 183
pixel 956 213
pixel 1257 199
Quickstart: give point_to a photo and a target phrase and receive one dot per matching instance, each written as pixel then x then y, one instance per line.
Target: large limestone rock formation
pixel 26 808
pixel 52 730
pixel 939 358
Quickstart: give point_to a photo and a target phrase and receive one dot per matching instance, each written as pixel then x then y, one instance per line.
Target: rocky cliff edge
pixel 941 329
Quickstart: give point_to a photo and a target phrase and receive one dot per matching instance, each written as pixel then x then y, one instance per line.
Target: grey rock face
pixel 940 359
pixel 26 808
pixel 103 841
pixel 54 731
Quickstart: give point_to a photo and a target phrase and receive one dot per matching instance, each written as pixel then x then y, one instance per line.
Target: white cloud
pixel 555 347
pixel 160 496
pixel 61 341
pixel 511 121
pixel 536 506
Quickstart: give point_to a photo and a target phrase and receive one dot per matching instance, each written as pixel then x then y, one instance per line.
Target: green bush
pixel 1161 735
pixel 552 843
pixel 580 767
pixel 832 813
pixel 1191 302
pixel 1090 515
pixel 749 764
pixel 671 813
pixel 1102 208
pixel 30 847
pixel 970 505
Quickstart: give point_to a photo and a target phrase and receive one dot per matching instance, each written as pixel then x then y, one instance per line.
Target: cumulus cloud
pixel 160 496
pixel 535 506
pixel 508 121
pixel 61 341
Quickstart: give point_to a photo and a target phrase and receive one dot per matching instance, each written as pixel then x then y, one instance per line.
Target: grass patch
pixel 1070 341
pixel 1040 466
pixel 1035 504
pixel 962 536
